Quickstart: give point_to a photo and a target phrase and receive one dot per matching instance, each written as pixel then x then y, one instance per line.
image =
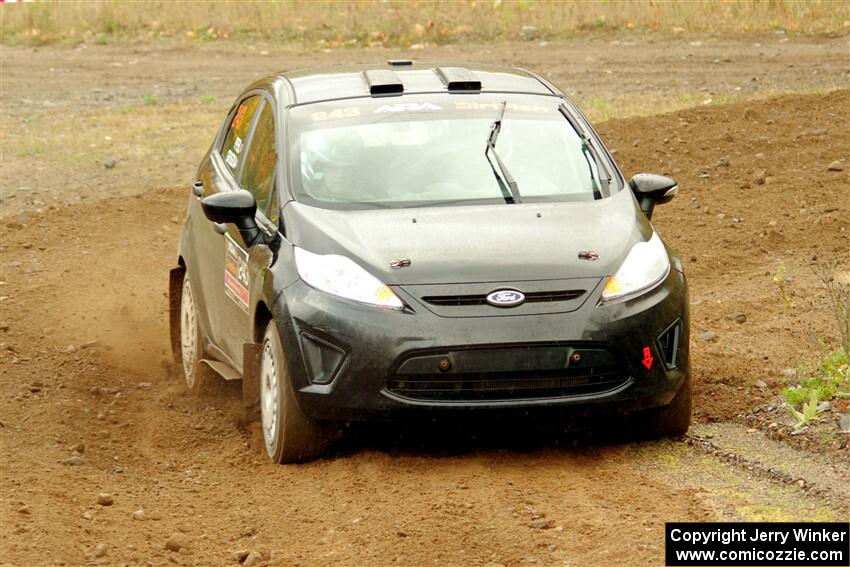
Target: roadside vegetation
pixel 409 23
pixel 829 378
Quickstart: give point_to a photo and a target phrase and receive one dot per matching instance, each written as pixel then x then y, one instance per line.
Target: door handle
pixel 198 189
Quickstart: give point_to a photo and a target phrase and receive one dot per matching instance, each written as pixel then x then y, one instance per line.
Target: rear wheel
pixel 191 346
pixel 290 436
pixel 674 419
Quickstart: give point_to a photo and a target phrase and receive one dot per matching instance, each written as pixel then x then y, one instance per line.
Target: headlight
pixel 340 276
pixel 645 266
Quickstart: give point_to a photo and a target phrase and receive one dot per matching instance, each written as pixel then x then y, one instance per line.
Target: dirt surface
pixel 91 402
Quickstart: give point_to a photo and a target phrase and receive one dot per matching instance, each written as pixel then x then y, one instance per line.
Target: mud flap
pixel 251 356
pixel 175 294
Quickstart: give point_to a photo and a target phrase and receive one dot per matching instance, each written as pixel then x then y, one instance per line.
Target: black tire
pixel 196 374
pixel 674 419
pixel 289 436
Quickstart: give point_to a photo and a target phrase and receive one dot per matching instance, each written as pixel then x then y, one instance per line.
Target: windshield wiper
pixel 511 194
pixel 587 148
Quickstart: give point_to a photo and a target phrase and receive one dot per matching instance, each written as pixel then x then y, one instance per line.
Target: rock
pixel 760 155
pixel 761 384
pixel 824 406
pixel 139 514
pixel 109 164
pixel 252 559
pixel 78 448
pixel 75 460
pixel 100 550
pixel 4 326
pixel 740 318
pixel 105 499
pixel 240 555
pixel 844 423
pixel 34 388
pixel 722 162
pixel 709 336
pixel 176 542
pixel 70 348
pixel 24 509
pixel 836 166
pixel 542 525
pixel 759 178
pixel 789 372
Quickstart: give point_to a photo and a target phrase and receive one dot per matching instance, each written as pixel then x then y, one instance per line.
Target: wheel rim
pixel 188 333
pixel 268 397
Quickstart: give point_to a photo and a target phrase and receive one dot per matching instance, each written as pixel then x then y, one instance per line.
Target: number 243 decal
pixel 338 113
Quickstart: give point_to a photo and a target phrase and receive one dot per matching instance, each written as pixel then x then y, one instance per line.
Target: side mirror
pixel 235 207
pixel 651 189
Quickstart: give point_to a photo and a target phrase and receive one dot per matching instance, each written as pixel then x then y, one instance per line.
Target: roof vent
pixel 459 79
pixel 399 62
pixel 383 82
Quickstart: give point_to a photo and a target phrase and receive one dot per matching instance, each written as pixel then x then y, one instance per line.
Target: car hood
pixel 484 243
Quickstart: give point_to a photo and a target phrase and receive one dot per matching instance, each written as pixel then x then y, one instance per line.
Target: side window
pixel 258 173
pixel 232 148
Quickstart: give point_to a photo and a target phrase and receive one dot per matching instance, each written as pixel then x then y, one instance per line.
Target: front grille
pixel 508 385
pixel 481 299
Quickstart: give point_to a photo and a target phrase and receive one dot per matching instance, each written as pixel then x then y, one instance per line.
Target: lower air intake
pixel 668 344
pixel 508 385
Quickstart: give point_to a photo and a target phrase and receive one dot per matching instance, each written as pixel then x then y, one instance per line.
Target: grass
pixel 410 23
pixel 600 109
pixel 830 380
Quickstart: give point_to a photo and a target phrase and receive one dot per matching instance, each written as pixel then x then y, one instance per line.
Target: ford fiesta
pixel 405 240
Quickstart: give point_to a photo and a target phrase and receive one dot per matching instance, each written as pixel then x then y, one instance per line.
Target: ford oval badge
pixel 505 298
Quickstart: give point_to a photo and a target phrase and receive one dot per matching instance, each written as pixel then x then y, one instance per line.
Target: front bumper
pixel 358 350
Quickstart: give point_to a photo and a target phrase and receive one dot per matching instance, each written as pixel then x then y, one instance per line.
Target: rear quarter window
pixel 234 141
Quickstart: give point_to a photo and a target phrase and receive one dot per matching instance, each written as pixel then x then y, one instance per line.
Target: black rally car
pixel 403 240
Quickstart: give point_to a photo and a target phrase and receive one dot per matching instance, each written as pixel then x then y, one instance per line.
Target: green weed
pixel 809 413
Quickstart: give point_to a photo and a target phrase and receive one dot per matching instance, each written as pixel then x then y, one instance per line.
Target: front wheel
pixel 290 436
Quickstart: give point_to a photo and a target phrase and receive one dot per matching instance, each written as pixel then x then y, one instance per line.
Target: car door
pixel 244 264
pixel 214 242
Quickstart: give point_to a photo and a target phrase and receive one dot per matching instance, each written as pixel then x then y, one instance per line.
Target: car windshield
pixel 391 154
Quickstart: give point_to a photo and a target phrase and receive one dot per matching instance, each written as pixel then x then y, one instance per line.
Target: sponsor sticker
pixel 231 159
pixel 490 106
pixel 239 116
pixel 236 273
pixel 406 107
